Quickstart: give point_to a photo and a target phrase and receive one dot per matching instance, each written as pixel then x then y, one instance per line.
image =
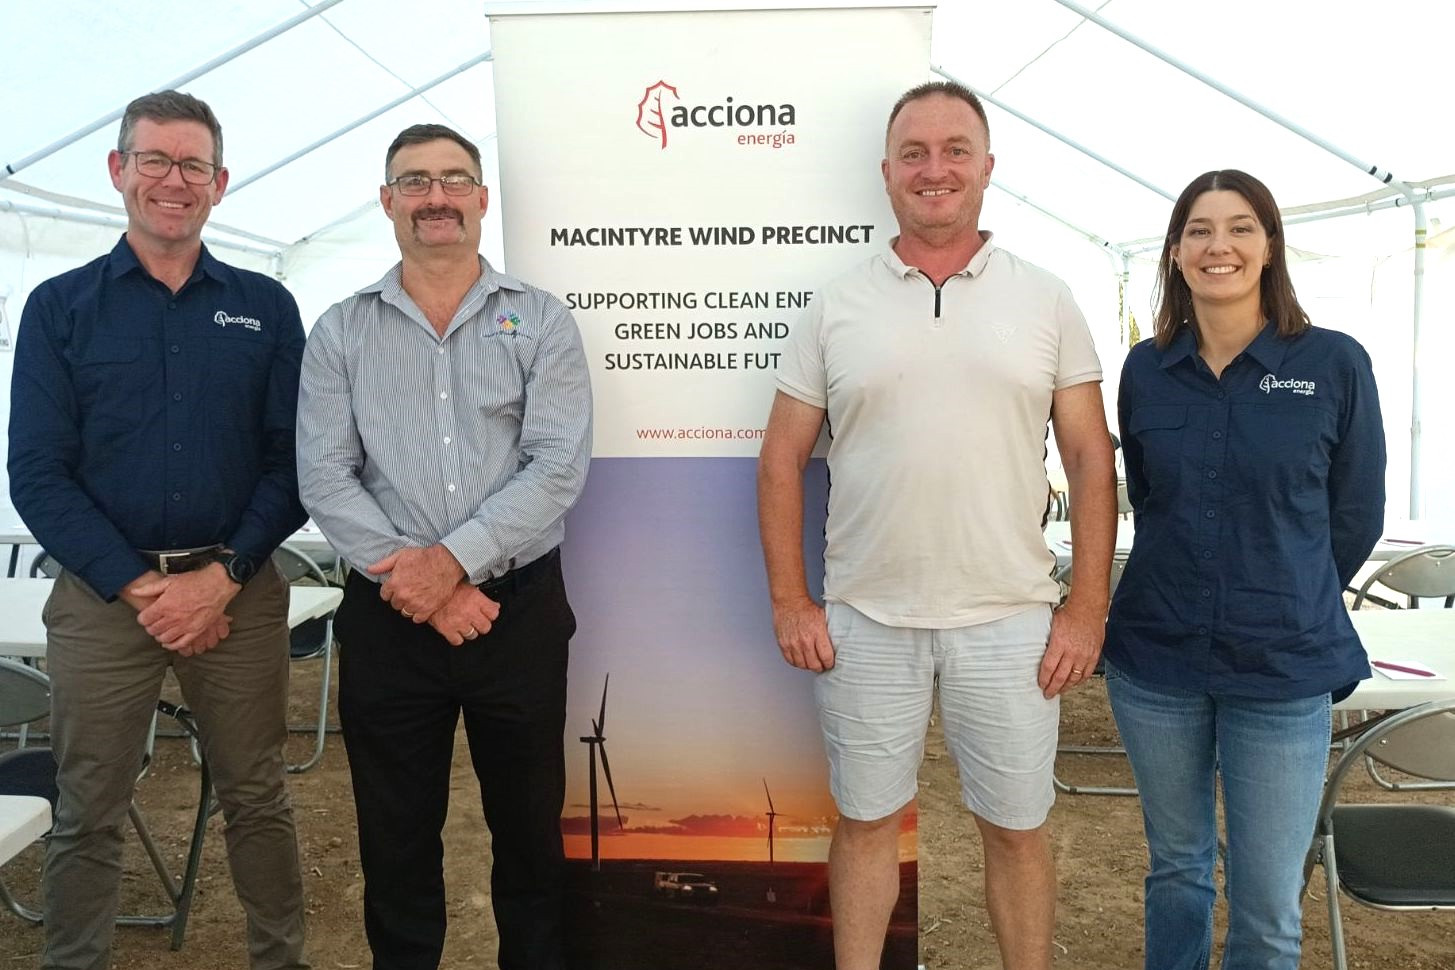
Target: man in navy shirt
pixel 151 454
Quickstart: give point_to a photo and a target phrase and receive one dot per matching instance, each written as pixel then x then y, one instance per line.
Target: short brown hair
pixel 950 89
pixel 1174 299
pixel 419 134
pixel 164 106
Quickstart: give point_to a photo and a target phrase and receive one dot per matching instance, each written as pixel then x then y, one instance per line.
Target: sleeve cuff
pixel 474 549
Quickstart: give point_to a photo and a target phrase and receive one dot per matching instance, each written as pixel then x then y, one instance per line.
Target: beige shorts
pixel 874 706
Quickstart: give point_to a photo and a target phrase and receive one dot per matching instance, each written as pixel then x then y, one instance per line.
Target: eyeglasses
pixel 420 184
pixel 156 165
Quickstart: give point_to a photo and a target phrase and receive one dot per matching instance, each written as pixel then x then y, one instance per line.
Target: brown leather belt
pixel 173 561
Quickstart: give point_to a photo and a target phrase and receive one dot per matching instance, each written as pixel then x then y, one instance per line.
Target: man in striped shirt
pixel 444 431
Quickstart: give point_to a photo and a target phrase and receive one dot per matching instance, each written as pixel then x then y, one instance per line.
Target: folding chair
pixel 44 565
pixel 1391 856
pixel 1124 501
pixel 1063 576
pixel 310 640
pixel 24 698
pixel 1428 571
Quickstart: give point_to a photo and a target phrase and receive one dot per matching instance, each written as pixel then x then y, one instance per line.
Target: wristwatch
pixel 239 568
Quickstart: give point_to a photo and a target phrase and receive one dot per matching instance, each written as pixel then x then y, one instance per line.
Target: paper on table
pixel 1386 667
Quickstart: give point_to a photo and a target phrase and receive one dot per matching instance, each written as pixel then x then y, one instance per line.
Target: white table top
pixel 308 538
pixel 23 819
pixel 22 634
pixel 1400 536
pixel 1425 636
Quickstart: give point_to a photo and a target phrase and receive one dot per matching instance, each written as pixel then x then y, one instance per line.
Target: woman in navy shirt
pixel 1254 454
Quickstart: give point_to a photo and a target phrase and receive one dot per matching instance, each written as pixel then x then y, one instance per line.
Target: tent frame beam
pixel 362 120
pixel 1064 139
pixel 177 82
pixel 1416 505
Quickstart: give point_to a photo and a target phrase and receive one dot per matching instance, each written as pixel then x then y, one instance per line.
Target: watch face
pixel 240 570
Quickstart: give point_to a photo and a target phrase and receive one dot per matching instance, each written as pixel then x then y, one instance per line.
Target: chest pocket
pixel 106 373
pixel 504 359
pixel 1159 430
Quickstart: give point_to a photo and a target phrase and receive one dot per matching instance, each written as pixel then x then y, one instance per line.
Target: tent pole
pixel 1383 175
pixel 1125 173
pixel 241 184
pixel 193 74
pixel 1416 409
pixel 1301 214
pixel 1090 236
pixel 118 222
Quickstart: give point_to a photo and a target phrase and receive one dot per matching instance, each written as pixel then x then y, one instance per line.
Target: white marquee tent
pixel 1100 113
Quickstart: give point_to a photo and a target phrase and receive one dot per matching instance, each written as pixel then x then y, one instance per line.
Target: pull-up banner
pixel 684 180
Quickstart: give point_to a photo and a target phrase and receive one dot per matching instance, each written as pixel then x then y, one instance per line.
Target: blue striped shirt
pixel 478 440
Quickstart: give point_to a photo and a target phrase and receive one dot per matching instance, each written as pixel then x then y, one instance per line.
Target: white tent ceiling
pixel 1370 86
pixel 1366 79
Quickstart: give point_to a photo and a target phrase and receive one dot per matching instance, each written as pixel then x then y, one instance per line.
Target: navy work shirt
pixel 143 419
pixel 1256 498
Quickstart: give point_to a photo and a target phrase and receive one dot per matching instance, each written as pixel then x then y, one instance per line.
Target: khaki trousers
pixel 106 676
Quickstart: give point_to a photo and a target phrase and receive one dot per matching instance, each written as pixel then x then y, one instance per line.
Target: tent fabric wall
pixel 1361 83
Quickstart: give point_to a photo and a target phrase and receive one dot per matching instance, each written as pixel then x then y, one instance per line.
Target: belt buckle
pixel 164 557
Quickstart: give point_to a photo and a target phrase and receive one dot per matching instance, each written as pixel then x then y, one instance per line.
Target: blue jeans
pixel 1271 755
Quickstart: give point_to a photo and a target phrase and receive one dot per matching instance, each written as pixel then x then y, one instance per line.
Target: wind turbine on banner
pixel 597 739
pixel 772 816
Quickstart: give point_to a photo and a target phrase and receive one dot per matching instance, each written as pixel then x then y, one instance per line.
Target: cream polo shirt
pixel 938 403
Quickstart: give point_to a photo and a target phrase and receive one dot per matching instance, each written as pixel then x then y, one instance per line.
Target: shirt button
pixel 176 446
pixel 1211 473
pixel 175 349
pixel 171 306
pixel 1206 592
pixel 1210 514
pixel 1207 554
pixel 1222 395
pixel 1202 631
pixel 440 351
pixel 176 395
pixel 451 486
pixel 176 496
pixel 443 395
pixel 447 439
pixel 1217 435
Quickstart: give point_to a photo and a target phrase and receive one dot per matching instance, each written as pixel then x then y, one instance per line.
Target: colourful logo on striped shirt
pixel 509 322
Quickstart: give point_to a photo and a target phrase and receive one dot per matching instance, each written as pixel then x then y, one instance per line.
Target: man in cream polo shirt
pixel 937 364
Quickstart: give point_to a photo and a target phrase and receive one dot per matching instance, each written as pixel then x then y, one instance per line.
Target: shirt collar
pixel 124 260
pixel 391 284
pixel 972 269
pixel 1267 348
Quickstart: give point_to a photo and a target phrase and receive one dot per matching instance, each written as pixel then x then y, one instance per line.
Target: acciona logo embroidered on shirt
pixel 222 319
pixel 1271 383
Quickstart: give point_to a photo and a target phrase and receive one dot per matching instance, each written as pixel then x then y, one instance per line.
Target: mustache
pixel 436 212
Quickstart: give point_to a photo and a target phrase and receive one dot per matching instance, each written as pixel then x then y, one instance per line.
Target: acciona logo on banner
pixel 656 114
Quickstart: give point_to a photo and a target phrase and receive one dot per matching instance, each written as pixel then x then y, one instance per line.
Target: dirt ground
pixel 1100 854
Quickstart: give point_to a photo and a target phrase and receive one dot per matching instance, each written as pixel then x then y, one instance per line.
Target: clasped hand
pixel 429 586
pixel 184 611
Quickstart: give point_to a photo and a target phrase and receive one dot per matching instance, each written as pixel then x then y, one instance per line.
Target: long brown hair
pixel 1174 299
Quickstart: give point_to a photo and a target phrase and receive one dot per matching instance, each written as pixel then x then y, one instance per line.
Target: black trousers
pixel 402 689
